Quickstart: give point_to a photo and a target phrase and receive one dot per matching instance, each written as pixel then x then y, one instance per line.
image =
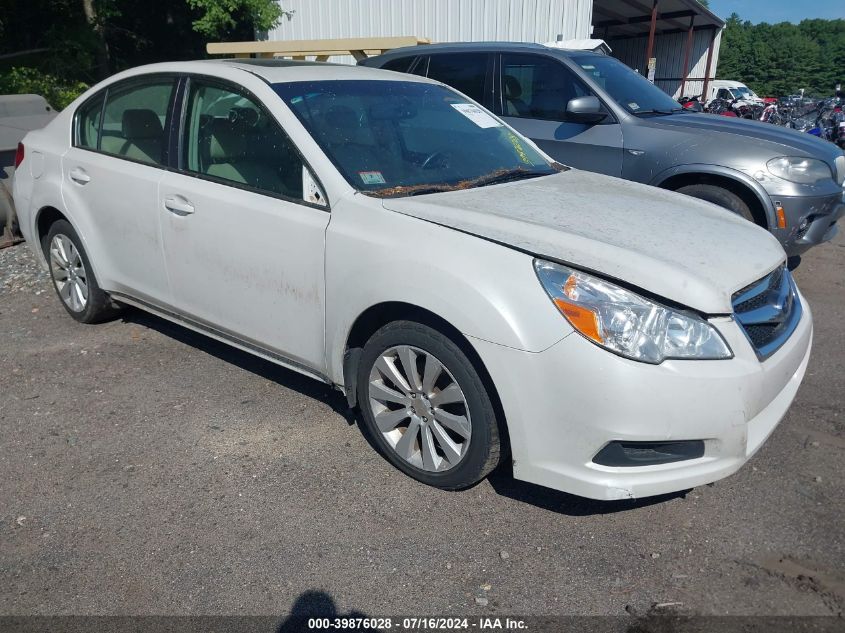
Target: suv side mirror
pixel 585 110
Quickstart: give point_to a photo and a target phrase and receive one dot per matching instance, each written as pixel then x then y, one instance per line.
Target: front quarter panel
pixel 483 289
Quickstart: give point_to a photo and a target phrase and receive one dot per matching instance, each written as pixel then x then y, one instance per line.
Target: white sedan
pixel 383 233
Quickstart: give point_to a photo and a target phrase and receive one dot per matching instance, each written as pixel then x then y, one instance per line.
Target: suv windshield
pixel 394 138
pixel 628 88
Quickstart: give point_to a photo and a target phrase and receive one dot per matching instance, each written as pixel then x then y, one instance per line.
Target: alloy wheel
pixel 69 273
pixel 419 408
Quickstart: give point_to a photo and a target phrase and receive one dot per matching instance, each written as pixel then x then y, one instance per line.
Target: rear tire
pixel 444 404
pixel 73 277
pixel 720 196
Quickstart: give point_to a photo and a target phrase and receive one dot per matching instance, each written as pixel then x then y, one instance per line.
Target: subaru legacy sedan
pixel 480 303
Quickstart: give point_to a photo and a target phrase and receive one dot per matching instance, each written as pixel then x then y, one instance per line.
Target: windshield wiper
pixel 493 178
pixel 510 175
pixel 656 111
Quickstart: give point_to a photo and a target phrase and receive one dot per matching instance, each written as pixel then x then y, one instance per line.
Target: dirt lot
pixel 146 469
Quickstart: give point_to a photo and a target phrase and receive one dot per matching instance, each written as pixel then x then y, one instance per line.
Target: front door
pixel 534 92
pixel 244 252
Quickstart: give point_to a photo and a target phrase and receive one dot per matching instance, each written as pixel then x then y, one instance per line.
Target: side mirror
pixel 585 110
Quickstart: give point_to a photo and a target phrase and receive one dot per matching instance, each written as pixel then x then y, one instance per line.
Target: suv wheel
pixel 426 408
pixel 720 196
pixel 72 276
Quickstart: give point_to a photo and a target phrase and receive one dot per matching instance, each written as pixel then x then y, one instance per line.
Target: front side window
pixel 394 138
pixel 538 87
pixel 88 123
pixel 229 137
pixel 134 121
pixel 466 72
pixel 628 88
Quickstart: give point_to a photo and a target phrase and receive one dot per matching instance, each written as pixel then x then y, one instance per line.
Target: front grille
pixel 768 311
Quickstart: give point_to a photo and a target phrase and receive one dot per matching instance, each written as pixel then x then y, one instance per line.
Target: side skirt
pixel 223 337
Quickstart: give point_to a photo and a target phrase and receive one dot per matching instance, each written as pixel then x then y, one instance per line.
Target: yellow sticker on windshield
pixel 519 149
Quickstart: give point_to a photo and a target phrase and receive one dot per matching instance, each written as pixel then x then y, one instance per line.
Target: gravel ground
pixel 20 272
pixel 149 470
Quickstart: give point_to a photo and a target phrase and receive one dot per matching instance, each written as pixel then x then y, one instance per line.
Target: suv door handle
pixel 79 176
pixel 178 205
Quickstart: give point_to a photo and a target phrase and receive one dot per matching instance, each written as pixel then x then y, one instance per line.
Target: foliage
pixel 781 59
pixel 59 93
pixel 55 46
pixel 221 16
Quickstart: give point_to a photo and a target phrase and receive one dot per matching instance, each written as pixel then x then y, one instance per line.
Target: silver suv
pixel 593 112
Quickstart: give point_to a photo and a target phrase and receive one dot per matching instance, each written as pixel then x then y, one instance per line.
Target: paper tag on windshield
pixel 476 115
pixel 372 177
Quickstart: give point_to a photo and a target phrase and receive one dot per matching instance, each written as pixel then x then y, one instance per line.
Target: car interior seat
pixel 513 93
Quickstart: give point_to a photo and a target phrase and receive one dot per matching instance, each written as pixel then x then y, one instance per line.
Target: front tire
pixel 73 278
pixel 720 196
pixel 426 408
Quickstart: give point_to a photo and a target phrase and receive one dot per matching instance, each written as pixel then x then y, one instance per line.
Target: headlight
pixel 805 171
pixel 626 323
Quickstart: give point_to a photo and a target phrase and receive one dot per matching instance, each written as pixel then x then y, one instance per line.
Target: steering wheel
pixel 431 159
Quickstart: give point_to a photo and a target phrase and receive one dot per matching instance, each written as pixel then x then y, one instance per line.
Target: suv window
pixel 400 64
pixel 88 123
pixel 466 72
pixel 229 137
pixel 538 87
pixel 134 121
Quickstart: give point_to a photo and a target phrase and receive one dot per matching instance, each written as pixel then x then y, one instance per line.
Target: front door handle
pixel 79 176
pixel 178 205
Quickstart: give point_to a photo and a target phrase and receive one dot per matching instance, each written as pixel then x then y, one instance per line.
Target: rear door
pixel 244 246
pixel 110 182
pixel 532 93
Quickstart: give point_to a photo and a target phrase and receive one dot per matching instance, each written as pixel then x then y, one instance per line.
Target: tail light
pixel 19 155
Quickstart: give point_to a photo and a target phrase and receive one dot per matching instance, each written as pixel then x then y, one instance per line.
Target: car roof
pixel 281 70
pixel 271 70
pixel 482 47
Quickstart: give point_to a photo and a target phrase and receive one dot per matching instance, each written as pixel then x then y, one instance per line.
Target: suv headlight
pixel 805 171
pixel 623 322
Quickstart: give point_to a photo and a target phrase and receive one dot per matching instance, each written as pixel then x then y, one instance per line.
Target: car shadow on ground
pixel 244 360
pixel 501 479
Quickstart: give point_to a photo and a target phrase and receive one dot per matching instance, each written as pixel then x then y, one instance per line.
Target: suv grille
pixel 768 311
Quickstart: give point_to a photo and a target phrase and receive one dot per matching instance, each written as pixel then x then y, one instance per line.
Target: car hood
pixel 717 129
pixel 679 248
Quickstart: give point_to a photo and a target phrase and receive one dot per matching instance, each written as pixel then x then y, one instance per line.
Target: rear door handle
pixel 178 205
pixel 79 176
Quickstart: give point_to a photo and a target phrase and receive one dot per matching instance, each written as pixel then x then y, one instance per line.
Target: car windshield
pixel 400 138
pixel 628 88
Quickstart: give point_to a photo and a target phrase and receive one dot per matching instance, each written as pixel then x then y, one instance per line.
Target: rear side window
pixel 229 137
pixel 134 121
pixel 88 123
pixel 537 87
pixel 400 64
pixel 466 72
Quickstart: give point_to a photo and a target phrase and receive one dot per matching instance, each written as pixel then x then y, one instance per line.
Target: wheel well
pixel 46 218
pixel 737 188
pixel 377 316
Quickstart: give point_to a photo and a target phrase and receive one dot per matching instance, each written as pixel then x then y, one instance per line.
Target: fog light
pixel 648 453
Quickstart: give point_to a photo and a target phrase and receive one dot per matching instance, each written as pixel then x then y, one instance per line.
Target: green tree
pixel 220 17
pixel 778 59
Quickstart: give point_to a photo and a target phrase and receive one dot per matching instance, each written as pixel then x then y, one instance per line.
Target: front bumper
pixel 563 405
pixel 820 214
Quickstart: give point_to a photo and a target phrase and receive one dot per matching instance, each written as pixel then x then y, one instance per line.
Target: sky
pixel 774 11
